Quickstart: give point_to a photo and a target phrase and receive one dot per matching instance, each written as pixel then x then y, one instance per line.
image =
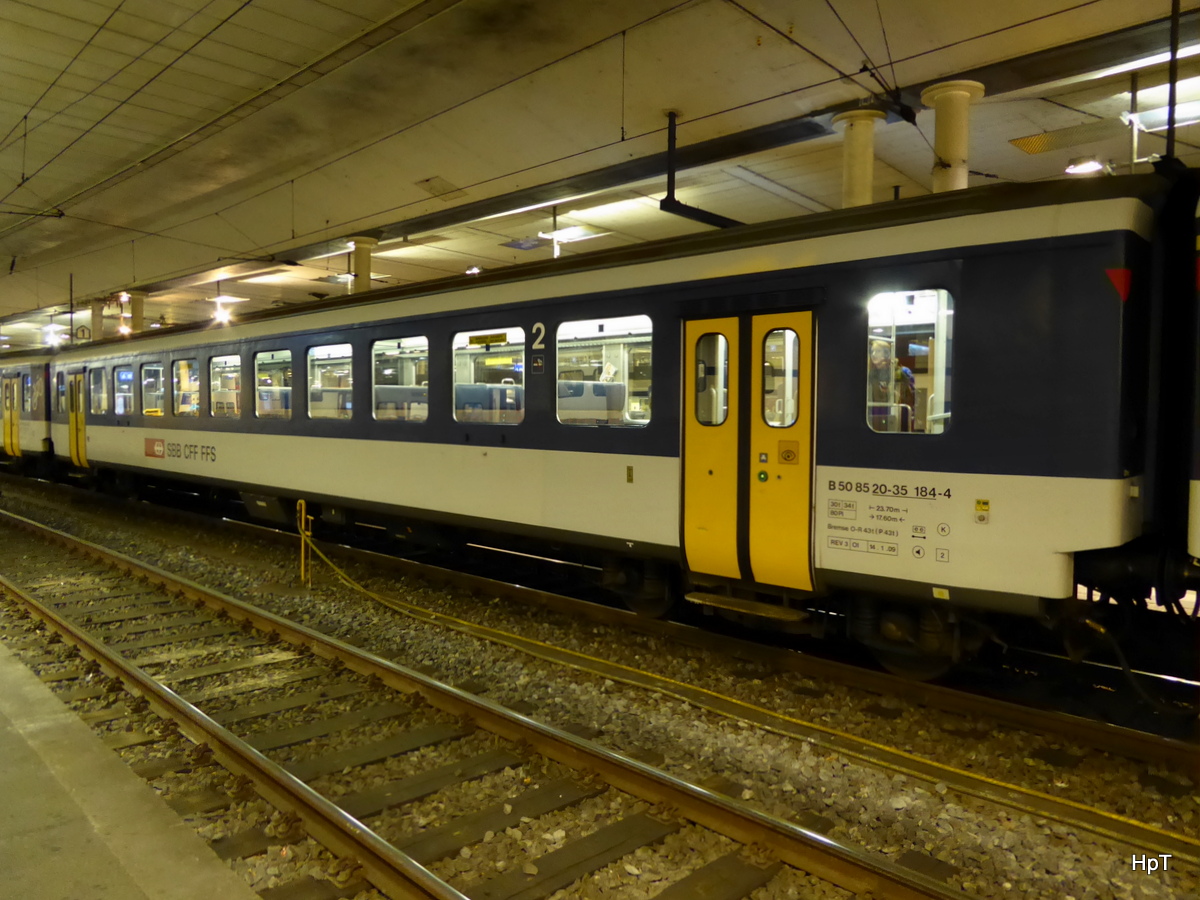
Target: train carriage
pixel 25 410
pixel 908 413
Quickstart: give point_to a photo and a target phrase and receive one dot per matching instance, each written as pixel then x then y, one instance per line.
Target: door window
pixel 712 379
pixel 781 377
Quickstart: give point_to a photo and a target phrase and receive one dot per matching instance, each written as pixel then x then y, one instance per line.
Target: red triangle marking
pixel 1121 279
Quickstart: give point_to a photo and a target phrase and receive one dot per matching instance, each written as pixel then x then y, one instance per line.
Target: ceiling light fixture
pixel 1086 165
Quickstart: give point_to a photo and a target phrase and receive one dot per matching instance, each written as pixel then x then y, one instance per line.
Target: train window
pixel 98 391
pixel 123 390
pixel 60 392
pixel 152 389
pixel 225 386
pixel 908 361
pixel 604 371
pixel 489 376
pixel 712 379
pixel 400 379
pixel 185 383
pixel 273 384
pixel 330 382
pixel 27 393
pixel 781 377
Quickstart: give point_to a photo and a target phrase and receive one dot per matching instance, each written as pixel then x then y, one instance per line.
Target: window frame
pixel 102 371
pixel 132 395
pixel 593 409
pixel 285 412
pixel 493 392
pixel 177 394
pixel 309 362
pixel 407 418
pixel 930 410
pixel 213 387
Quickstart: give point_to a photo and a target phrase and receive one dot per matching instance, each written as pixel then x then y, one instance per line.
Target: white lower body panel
pixel 1007 533
pixel 626 497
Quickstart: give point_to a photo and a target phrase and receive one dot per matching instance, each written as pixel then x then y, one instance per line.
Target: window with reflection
pixel 273 384
pixel 98 391
pixel 909 339
pixel 330 382
pixel 400 379
pixel 781 378
pixel 185 381
pixel 604 374
pixel 489 376
pixel 712 379
pixel 60 392
pixel 123 390
pixel 153 389
pixel 225 386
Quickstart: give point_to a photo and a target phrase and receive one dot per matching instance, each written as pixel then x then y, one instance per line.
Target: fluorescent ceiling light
pixel 54 327
pixel 226 298
pixel 1156 119
pixel 1084 165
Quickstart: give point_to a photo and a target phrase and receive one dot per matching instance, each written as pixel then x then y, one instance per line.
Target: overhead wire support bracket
pixel 669 204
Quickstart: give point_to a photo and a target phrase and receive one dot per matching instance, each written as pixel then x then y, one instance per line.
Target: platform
pixel 77 824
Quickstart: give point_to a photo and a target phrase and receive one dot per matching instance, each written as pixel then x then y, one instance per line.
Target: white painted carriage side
pixel 1194 519
pixel 1009 533
pixel 1126 213
pixel 32 435
pixel 586 493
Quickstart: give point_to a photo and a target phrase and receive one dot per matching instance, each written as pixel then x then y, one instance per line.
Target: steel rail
pixel 848 867
pixel 385 867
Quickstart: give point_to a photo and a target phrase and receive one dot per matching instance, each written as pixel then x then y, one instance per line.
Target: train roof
pixel 1149 188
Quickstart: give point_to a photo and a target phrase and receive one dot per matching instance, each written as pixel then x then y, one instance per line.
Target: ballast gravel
pixel 994 851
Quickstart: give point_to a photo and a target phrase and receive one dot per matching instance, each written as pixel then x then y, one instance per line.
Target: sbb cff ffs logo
pixel 157 448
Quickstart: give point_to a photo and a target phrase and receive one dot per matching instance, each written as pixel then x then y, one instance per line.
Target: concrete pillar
pixel 950 101
pixel 137 310
pixel 362 263
pixel 97 323
pixel 858 155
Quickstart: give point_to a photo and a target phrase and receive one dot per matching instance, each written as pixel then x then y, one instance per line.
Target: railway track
pixel 1081 817
pixel 203 660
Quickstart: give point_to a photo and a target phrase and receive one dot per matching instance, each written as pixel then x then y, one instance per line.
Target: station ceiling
pixel 192 149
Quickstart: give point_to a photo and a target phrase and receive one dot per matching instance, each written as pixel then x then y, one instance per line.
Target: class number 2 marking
pixel 539 336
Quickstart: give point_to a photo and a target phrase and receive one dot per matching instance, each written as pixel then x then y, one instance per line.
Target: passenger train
pixel 903 418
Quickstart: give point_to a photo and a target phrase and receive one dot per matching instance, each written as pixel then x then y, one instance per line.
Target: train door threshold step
pixel 748 607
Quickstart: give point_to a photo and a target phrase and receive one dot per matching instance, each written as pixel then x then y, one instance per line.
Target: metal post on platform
pixel 304 526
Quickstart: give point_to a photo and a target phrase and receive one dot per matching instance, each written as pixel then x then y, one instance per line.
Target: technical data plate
pixel 558 869
pixel 729 878
pixel 437 843
pixel 405 790
pixel 405 742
